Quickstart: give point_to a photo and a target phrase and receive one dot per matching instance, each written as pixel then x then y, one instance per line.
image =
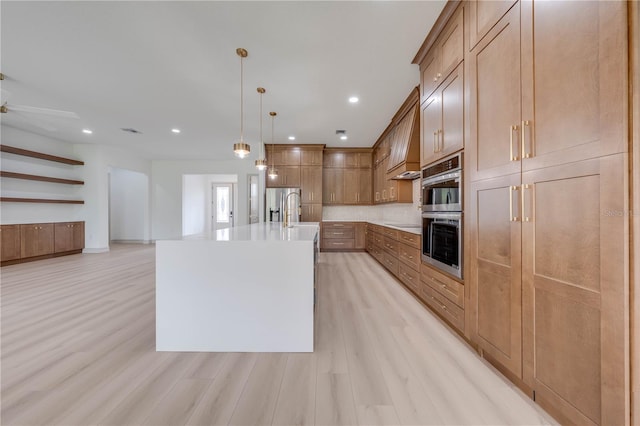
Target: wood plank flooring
pixel 78 348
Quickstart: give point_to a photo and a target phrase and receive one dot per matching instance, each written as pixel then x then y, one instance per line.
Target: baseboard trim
pixel 95 250
pixel 131 241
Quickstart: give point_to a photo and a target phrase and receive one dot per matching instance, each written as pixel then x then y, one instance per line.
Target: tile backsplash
pixel 404 213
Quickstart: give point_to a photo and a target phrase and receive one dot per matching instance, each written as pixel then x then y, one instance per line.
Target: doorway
pixel 221 206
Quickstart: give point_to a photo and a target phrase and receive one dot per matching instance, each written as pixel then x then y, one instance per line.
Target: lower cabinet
pixel 33 241
pixel 311 212
pixel 68 236
pixel 342 236
pixel 10 240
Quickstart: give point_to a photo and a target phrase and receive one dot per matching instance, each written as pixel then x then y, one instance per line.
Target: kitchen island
pixel 243 289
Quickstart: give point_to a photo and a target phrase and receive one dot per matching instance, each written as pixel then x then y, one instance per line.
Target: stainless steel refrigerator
pixel 275 199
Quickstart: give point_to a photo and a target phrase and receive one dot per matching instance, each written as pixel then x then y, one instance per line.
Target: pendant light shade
pixel 273 173
pixel 261 163
pixel 241 149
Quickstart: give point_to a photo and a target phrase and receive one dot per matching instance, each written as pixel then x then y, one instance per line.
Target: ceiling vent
pixel 131 130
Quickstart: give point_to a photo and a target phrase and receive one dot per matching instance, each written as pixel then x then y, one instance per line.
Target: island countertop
pixel 299 231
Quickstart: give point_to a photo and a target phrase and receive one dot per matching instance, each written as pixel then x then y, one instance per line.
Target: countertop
pixel 411 228
pixel 300 231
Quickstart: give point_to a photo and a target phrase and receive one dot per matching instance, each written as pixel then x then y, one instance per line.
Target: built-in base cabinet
pixel 342 236
pixel 33 241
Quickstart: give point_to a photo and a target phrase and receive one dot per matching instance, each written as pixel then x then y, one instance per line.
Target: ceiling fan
pixel 25 115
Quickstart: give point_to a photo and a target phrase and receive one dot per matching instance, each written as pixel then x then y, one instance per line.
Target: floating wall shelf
pixel 40 155
pixel 24 176
pixel 39 200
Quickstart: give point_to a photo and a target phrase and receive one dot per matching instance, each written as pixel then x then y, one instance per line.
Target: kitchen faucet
pixel 286 208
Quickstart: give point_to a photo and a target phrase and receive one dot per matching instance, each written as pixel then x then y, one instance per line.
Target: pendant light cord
pixel 261 139
pixel 241 101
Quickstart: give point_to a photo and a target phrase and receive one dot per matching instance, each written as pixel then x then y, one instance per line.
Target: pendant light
pixel 273 173
pixel 241 149
pixel 261 163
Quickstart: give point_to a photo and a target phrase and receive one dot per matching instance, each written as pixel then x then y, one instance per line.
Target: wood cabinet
pixel 357 186
pixel 442 119
pixel 547 165
pixel 311 157
pixel 288 177
pixel 10 240
pixel 332 186
pixel 68 236
pixel 444 56
pixel 343 236
pixel 483 16
pixel 36 239
pixel 311 184
pixel 571 94
pixel 346 176
pixel 405 146
pixel 311 212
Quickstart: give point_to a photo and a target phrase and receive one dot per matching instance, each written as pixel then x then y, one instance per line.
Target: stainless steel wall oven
pixel 442 235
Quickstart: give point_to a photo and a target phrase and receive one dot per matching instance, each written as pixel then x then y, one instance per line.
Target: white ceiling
pixel 154 65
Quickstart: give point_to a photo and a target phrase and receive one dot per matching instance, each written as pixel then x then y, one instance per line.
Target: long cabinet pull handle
pixel 435 142
pixel 512 218
pixel 512 157
pixel 526 218
pixel 525 154
pixel 440 140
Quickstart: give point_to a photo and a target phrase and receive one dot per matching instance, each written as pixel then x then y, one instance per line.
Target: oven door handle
pixel 455 176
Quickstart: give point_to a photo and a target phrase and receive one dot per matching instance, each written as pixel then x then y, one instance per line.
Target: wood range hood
pixel 404 134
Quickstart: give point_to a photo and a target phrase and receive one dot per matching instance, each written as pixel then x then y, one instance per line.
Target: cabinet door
pixel 334 159
pixel 429 68
pixel 452 100
pixel 276 182
pixel 483 16
pixel 495 100
pixel 291 176
pixel 575 289
pixel 311 184
pixel 364 186
pixel 365 160
pixel 429 129
pixel 574 101
pixel 290 157
pixel 36 239
pixel 351 186
pixel 451 44
pixel 311 212
pixel 62 237
pixel 494 273
pixel 78 235
pixel 10 240
pixel 311 158
pixel 332 186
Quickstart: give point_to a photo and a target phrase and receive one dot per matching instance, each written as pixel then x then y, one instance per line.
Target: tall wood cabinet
pixel 346 176
pixel 545 164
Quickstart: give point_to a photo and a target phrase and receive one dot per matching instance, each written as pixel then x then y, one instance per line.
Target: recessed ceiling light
pixel 343 137
pixel 353 99
pixel 292 138
pixel 175 130
pixel 87 131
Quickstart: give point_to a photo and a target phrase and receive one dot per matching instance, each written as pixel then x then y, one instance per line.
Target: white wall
pixel 129 205
pixel 194 204
pixel 167 191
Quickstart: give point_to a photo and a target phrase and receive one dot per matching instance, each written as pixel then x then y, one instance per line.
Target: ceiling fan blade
pixel 42 111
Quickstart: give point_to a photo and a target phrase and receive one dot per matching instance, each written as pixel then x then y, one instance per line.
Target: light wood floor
pixel 78 348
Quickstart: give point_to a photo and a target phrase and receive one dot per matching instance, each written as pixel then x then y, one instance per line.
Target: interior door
pixel 254 202
pixel 222 206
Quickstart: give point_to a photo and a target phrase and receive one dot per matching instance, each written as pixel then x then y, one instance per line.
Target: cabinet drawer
pixel 410 239
pixel 378 239
pixel 442 306
pixel 451 289
pixel 410 277
pixel 338 225
pixel 391 263
pixel 410 256
pixel 391 233
pixel 338 244
pixel 391 246
pixel 338 233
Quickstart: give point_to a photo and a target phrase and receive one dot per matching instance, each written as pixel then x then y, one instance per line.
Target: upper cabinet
pixel 524 117
pixel 443 56
pixel 484 15
pixel 404 140
pixel 311 157
pixel 346 176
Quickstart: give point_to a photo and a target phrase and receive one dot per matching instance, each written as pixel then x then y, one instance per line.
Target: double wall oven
pixel 442 215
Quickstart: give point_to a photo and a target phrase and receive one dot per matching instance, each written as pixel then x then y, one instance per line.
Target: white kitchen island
pixel 243 289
